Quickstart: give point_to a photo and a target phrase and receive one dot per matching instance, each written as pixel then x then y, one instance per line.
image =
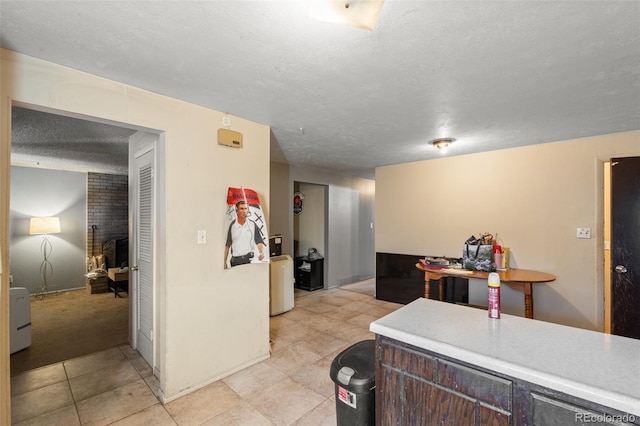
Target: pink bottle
pixel 494 295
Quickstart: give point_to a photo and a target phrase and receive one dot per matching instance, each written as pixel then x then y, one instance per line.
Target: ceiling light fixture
pixel 356 13
pixel 442 144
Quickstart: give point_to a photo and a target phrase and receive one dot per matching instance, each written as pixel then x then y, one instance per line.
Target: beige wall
pixel 534 197
pixel 199 297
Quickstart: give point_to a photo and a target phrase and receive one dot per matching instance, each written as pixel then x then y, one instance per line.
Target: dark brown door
pixel 625 246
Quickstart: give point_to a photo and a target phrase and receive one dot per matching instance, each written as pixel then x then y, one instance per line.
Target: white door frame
pixel 140 144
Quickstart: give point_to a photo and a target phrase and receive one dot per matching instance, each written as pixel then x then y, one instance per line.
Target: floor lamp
pixel 45 226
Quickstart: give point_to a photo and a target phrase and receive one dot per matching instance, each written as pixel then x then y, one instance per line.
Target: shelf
pixel 312 278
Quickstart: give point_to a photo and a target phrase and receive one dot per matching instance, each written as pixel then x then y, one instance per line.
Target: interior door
pixel 625 246
pixel 143 254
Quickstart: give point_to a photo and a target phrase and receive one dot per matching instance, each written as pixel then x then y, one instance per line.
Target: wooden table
pixel 117 277
pixel 517 279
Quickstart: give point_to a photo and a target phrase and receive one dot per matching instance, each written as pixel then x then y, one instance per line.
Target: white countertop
pixel 594 366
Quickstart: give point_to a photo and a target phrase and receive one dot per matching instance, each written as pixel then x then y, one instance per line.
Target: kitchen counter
pixel 592 366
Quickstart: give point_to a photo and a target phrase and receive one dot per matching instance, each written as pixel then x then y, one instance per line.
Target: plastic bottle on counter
pixel 506 252
pixel 494 295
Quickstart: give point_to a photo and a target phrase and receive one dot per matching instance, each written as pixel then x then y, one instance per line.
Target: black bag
pixel 477 256
pixel 313 254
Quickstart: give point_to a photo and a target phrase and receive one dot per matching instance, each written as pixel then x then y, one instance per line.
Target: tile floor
pixel 292 387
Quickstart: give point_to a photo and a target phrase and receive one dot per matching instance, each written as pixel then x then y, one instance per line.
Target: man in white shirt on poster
pixel 243 239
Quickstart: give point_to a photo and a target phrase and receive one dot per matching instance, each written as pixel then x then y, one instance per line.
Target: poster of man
pixel 246 229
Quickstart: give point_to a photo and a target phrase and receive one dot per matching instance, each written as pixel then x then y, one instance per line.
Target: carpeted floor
pixel 71 324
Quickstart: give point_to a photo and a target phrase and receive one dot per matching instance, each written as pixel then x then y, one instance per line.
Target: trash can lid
pixel 355 368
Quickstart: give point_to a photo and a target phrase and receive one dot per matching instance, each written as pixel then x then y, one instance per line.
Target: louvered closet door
pixel 144 255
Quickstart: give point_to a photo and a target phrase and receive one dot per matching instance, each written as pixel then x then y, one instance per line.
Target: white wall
pixel 42 192
pixel 534 197
pixel 216 321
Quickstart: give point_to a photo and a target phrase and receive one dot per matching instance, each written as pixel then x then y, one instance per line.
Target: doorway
pixel 95 149
pixel 310 221
pixel 622 272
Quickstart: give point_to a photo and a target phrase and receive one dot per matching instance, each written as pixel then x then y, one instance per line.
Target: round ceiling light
pixel 442 143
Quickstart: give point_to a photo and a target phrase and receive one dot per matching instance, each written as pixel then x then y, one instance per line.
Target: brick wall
pixel 107 209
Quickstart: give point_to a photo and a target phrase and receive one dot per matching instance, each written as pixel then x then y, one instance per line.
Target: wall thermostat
pixel 229 138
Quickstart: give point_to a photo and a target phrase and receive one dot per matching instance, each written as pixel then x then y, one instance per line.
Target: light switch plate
pixel 202 236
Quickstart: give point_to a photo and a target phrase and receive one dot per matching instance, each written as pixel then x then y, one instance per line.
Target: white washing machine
pixel 19 319
pixel 280 284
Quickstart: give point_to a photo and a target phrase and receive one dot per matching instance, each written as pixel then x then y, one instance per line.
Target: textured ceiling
pixel 493 74
pixel 54 141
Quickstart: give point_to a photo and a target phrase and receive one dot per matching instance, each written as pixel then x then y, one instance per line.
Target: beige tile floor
pixel 292 387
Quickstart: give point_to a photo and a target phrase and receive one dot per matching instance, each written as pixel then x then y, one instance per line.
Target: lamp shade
pixel 44 225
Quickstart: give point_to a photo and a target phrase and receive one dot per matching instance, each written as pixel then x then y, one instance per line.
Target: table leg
pixel 528 300
pixel 427 286
pixel 114 284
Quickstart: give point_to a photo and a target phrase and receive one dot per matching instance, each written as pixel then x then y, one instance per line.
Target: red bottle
pixel 497 257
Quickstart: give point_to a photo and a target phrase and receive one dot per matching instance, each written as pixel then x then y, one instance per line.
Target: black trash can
pixel 354 373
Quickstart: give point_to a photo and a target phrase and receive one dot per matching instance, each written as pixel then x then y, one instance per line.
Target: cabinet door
pixel 420 389
pixel 551 412
pixel 428 404
pixel 317 274
pixel 388 391
pixel 491 390
pixel 302 279
pixel 302 275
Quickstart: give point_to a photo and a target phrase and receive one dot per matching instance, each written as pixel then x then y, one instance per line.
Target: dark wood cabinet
pixel 309 273
pixel 418 387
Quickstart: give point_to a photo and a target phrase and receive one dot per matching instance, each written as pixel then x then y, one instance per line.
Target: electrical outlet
pixel 10 279
pixel 584 233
